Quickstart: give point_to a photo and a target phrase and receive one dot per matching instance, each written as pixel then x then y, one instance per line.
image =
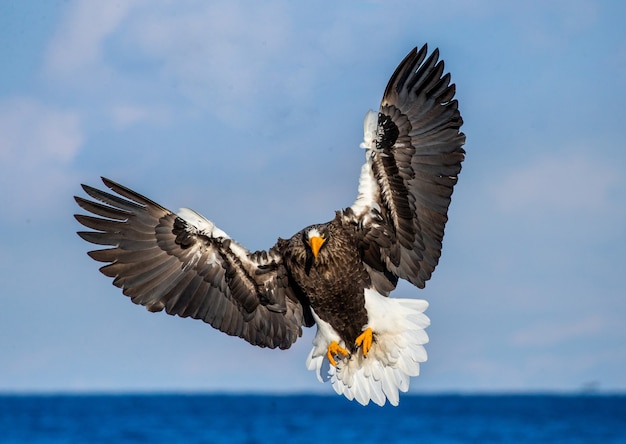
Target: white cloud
pixel 564 182
pixel 78 44
pixel 126 115
pixel 35 135
pixel 222 55
pixel 37 147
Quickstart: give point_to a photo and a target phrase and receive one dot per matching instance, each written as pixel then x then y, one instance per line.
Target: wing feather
pixel 164 262
pixel 414 159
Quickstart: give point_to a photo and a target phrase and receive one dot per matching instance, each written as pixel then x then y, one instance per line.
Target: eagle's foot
pixel 334 349
pixel 365 341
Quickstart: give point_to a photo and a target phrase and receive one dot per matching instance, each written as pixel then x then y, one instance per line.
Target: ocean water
pixel 308 419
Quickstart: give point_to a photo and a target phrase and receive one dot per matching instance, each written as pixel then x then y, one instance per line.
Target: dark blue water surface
pixel 307 419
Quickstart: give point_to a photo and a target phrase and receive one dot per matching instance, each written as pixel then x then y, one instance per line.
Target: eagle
pixel 336 275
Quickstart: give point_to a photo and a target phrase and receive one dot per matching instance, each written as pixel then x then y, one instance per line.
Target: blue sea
pixel 175 418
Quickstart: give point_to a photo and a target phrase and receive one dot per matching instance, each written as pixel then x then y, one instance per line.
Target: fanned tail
pixel 398 349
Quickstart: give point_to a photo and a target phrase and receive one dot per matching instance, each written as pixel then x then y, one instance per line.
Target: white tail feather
pixel 395 356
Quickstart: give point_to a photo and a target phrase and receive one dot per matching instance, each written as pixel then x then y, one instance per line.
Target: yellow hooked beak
pixel 316 243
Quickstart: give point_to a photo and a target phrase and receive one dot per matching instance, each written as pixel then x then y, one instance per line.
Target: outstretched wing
pixel 185 265
pixel 413 157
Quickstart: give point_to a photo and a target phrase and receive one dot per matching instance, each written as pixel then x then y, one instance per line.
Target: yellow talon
pixel 365 340
pixel 335 349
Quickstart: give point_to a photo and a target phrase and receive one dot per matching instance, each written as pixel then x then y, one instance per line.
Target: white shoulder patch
pixel 368 189
pixel 370 127
pixel 203 224
pixel 368 185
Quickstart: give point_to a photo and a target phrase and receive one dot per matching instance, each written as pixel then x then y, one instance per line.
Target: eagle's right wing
pixel 186 266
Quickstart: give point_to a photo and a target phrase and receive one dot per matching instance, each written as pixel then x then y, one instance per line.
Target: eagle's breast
pixel 335 281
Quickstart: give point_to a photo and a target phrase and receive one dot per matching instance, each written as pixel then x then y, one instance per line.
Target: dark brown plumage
pixel 327 281
pixel 327 274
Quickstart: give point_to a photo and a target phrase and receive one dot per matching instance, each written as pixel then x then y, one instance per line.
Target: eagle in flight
pixel 336 275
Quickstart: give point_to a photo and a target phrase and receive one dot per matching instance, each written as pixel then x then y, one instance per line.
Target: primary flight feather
pixel 336 275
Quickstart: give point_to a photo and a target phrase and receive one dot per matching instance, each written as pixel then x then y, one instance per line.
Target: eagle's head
pixel 314 238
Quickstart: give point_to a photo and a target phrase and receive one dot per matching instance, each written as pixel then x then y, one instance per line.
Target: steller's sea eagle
pixel 336 275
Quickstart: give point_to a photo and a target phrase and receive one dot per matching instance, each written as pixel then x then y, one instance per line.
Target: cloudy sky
pixel 251 113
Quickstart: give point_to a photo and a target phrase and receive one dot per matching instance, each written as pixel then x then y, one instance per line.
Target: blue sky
pixel 251 113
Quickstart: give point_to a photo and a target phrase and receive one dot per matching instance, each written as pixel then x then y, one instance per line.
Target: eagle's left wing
pixel 413 156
